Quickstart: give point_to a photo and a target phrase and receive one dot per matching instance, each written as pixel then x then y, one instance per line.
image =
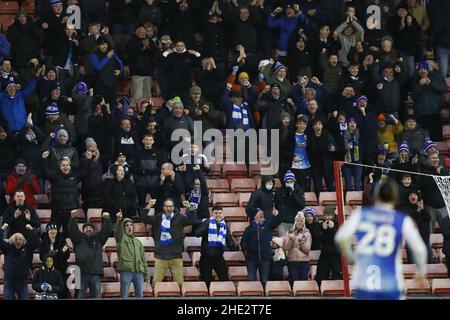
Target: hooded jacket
pixel 89 249
pixel 262 198
pixel 130 250
pixel 51 276
pixel 289 202
pixel 59 257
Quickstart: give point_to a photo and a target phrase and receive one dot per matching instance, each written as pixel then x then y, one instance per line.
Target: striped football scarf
pixel 166 238
pixel 216 238
pixel 240 116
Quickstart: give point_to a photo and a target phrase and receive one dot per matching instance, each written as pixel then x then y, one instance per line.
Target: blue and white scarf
pixel 166 238
pixel 240 116
pixel 194 199
pixel 216 238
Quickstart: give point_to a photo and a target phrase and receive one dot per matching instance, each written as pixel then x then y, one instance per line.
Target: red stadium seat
pixel 327 198
pixel 243 199
pixel 222 289
pixel 332 288
pixel 192 244
pixel 148 243
pixel 237 273
pixel 243 185
pixel 218 185
pixel 94 215
pixel 196 258
pixel 234 258
pixel 111 289
pixel 225 199
pixel 234 170
pixel 9 7
pixel 278 288
pixel 353 198
pixel 250 289
pixel 194 289
pixel 167 289
pixel 440 287
pixel 190 274
pixel 109 275
pixel 44 215
pixel 409 271
pixel 237 228
pixel 254 170
pixel 140 229
pixel 110 245
pixel 234 214
pixel 436 240
pixel 215 170
pixel 436 270
pixel 306 288
pixel 148 290
pixel 310 199
pixel 415 287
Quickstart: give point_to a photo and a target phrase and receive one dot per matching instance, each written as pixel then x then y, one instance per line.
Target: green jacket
pixel 270 78
pixel 130 252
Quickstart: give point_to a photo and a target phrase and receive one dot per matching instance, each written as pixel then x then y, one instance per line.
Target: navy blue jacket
pixel 256 241
pixel 17 262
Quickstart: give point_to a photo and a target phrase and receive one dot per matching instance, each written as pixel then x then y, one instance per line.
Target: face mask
pixel 21 170
pixel 269 186
pixel 290 185
pixel 30 137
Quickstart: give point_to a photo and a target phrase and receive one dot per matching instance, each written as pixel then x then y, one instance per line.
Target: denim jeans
pixel 93 282
pixel 409 65
pixel 349 172
pixel 262 266
pixel 298 270
pixel 126 278
pixel 11 288
pixel 442 56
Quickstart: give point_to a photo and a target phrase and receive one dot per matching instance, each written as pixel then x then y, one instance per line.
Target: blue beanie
pixel 56 2
pixel 428 144
pixel 382 150
pixel 360 98
pixel 289 175
pixel 424 65
pixel 278 66
pixel 404 147
pixel 82 88
pixel 309 210
pixel 52 109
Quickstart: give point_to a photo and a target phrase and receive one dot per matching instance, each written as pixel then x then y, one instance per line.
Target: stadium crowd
pixel 337 85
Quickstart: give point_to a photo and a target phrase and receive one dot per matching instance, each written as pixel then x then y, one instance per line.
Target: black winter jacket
pixel 88 249
pixel 213 252
pixel 262 198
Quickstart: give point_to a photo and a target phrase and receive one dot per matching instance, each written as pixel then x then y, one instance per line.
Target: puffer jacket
pixel 88 249
pixel 64 191
pixel 428 98
pixel 256 241
pixel 295 250
pixel 130 251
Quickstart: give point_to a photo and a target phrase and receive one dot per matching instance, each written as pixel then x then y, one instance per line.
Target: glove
pixel 235 70
pixel 46 287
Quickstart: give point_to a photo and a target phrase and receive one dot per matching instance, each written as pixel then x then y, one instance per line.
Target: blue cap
pixel 423 65
pixel 52 109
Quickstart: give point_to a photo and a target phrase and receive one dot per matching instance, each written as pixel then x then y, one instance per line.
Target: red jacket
pixel 30 188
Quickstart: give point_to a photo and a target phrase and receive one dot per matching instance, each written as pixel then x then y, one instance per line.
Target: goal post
pixel 341 218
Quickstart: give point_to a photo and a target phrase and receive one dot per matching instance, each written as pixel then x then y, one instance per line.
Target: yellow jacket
pixel 388 134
